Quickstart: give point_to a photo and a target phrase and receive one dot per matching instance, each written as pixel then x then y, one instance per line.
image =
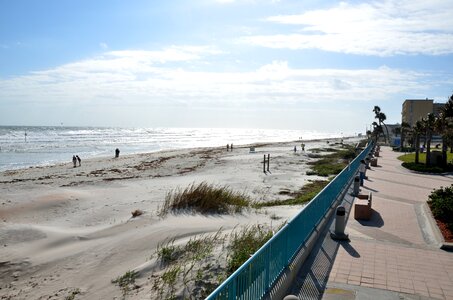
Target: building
pixel 416 109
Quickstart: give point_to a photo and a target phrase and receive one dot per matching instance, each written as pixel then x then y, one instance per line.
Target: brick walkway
pixel 395 250
pixel 395 255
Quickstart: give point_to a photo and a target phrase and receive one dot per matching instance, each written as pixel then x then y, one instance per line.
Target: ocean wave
pixel 42 145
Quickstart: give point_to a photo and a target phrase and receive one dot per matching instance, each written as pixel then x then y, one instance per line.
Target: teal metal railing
pixel 260 272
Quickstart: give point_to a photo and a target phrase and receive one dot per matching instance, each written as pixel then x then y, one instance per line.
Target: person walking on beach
pixel 79 160
pixel 228 147
pixel 74 161
pixel 362 169
pixel 231 147
pixel 117 152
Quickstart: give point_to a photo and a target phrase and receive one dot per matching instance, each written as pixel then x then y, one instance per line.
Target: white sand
pixel 65 228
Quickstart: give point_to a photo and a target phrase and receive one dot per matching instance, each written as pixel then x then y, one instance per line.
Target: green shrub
pixel 441 203
pixel 405 149
pixel 409 163
pixel 422 167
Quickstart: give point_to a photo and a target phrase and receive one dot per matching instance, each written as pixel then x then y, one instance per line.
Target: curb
pixel 441 243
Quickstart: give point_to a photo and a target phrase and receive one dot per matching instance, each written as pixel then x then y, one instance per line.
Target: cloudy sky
pixel 303 64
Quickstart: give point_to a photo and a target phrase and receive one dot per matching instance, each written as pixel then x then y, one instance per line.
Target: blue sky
pixel 312 65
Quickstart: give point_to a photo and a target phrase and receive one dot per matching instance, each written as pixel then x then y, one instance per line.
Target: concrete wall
pixel 415 110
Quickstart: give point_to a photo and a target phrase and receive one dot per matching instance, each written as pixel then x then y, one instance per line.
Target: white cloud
pixel 376 28
pixel 103 45
pixel 153 78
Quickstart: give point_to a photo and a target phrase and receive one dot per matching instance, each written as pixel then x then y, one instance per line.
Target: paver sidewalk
pixel 395 255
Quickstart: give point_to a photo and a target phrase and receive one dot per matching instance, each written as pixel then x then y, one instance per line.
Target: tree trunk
pixel 402 141
pixel 444 151
pixel 428 149
pixel 386 137
pixel 417 148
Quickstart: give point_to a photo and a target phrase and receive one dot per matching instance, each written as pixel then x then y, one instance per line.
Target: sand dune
pixel 64 229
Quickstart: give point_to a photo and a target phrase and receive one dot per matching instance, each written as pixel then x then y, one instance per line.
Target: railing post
pixel 286 247
pixel 268 269
pixel 232 296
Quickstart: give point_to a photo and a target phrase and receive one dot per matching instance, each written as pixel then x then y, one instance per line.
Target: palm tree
pixel 441 127
pixel 382 117
pixel 405 127
pixel 377 130
pixel 429 128
pixel 447 136
pixel 418 130
pixel 378 114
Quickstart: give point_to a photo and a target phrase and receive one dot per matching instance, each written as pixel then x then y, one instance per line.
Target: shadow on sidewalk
pixel 311 279
pixel 375 220
pixel 370 189
pixel 347 246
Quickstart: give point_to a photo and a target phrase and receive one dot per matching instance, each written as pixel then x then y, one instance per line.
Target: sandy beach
pixel 64 228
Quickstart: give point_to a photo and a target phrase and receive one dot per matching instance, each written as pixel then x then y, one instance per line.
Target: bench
pixel 362 206
pixel 373 162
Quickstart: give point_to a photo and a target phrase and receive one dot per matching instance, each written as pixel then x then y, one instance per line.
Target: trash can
pixel 340 225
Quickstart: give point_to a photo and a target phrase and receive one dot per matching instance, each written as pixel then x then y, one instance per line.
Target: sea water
pixel 22 147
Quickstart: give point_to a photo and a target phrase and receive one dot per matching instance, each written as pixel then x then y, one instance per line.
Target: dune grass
pixel 194 269
pixel 245 243
pixel 333 163
pixel 305 194
pixel 205 198
pixel 126 282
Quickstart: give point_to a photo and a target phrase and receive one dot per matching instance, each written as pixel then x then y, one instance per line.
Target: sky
pixel 303 64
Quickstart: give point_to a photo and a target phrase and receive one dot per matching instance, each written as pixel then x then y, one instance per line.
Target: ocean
pixel 22 147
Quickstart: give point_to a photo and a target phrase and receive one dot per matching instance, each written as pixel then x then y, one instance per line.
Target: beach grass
pixel 332 163
pixel 205 198
pixel 197 265
pixel 304 195
pixel 168 252
pixel 245 243
pixel 126 281
pixel 186 265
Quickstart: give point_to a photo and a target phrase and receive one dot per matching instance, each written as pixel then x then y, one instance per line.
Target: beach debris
pixel 136 213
